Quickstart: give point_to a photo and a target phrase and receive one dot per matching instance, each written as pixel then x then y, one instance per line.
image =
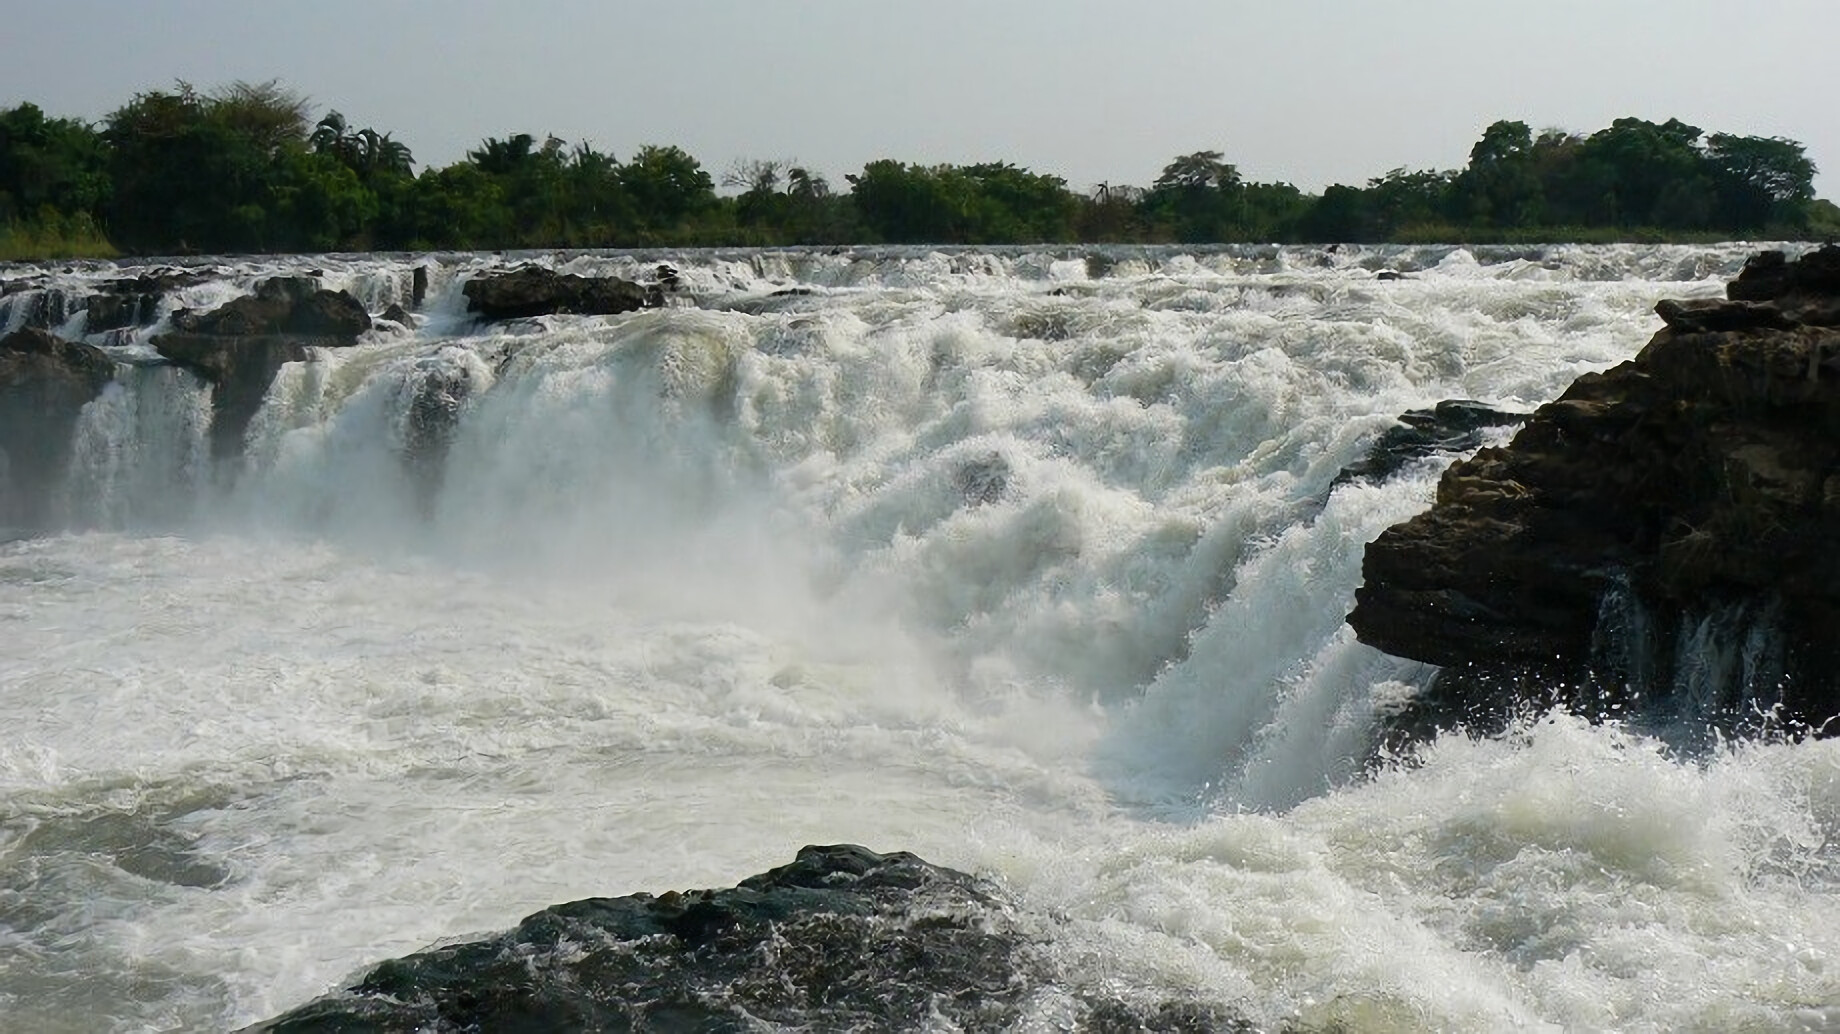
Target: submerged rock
pixel 982 481
pixel 536 291
pixel 45 382
pixel 239 346
pixel 438 390
pixel 398 315
pixel 1665 535
pixel 843 938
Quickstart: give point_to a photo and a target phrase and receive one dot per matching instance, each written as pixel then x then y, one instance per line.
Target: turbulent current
pixel 1031 562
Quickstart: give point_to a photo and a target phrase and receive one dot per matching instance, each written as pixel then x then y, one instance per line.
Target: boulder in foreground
pixel 843 938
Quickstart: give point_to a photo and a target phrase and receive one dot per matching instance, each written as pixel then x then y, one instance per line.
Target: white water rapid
pixel 1028 562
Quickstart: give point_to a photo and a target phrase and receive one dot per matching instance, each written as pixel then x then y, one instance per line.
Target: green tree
pixel 460 206
pixel 266 115
pixel 667 187
pixel 908 204
pixel 183 179
pixel 1015 206
pixel 320 204
pixel 1343 214
pixel 1110 212
pixel 1501 186
pixel 597 209
pixel 1760 180
pixel 61 164
pixel 1199 197
pixel 1652 173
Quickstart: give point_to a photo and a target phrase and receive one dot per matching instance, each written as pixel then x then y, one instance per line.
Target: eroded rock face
pixel 282 305
pixel 841 939
pixel 1693 487
pixel 535 291
pixel 45 382
pixel 239 346
pixel 135 301
pixel 1452 426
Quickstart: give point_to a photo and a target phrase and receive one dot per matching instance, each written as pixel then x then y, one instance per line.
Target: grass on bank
pixel 54 237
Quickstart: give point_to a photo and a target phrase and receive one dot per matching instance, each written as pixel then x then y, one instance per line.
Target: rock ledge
pixel 1665 535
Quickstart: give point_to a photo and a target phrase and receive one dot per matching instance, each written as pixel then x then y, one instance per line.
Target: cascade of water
pixel 1007 557
pixel 1728 663
pixel 141 456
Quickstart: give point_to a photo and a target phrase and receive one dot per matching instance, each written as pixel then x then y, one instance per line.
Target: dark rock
pixel 982 481
pixel 1693 489
pixel 438 389
pixel 1453 425
pixel 535 291
pixel 239 346
pixel 1770 276
pixel 142 843
pixel 37 307
pixel 283 305
pixel 418 287
pixel 841 939
pixel 135 301
pixel 117 311
pixel 1391 274
pixel 1710 314
pixel 1807 291
pixel 45 382
pixel 239 370
pixel 397 314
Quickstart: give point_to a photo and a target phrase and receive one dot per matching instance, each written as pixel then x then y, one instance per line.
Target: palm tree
pixel 501 157
pixel 332 136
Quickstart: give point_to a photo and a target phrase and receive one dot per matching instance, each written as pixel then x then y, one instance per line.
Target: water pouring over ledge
pixel 1033 571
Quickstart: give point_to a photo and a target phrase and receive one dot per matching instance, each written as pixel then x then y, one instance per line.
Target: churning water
pixel 1029 562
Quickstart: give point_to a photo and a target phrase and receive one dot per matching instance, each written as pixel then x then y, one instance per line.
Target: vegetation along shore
pixel 246 168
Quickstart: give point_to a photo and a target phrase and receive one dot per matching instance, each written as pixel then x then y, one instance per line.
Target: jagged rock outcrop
pixel 284 305
pixel 45 382
pixel 843 938
pixel 135 301
pixel 1665 535
pixel 1453 425
pixel 239 346
pixel 536 291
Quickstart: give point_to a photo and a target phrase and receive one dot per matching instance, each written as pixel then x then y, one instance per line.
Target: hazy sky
pixel 1309 91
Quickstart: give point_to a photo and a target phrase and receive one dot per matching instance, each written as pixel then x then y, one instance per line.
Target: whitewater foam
pixel 1029 561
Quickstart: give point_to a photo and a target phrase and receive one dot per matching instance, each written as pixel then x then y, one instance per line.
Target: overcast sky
pixel 1308 91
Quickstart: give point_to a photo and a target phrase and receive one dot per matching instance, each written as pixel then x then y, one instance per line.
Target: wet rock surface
pixel 438 390
pixel 135 301
pixel 536 291
pixel 45 382
pixel 843 938
pixel 239 346
pixel 1453 425
pixel 1690 493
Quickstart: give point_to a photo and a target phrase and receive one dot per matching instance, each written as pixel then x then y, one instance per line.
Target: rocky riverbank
pixel 1661 538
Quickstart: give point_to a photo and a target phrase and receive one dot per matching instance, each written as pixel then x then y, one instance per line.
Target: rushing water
pixel 1027 561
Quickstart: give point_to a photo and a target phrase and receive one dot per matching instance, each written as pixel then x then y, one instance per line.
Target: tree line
pixel 246 168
